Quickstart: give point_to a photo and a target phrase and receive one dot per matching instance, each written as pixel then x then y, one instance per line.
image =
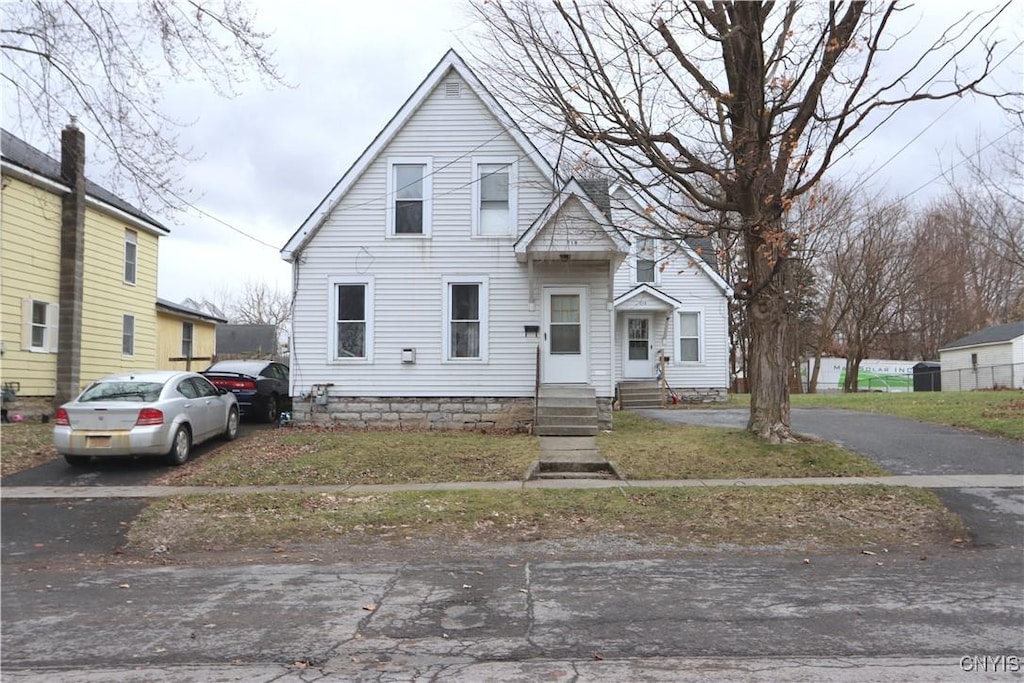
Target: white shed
pixel 990 359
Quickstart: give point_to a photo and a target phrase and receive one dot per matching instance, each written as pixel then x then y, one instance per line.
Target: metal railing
pixel 1006 376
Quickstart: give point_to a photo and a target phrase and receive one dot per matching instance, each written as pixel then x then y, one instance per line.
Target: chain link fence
pixel 1007 376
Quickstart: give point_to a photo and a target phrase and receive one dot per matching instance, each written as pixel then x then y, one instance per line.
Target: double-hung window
pixel 465 318
pixel 128 335
pixel 690 337
pixel 645 264
pixel 494 196
pixel 351 331
pixel 131 256
pixel 187 330
pixel 39 326
pixel 409 194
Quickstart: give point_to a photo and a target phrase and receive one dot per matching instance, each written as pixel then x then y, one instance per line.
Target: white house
pixel 989 359
pixel 450 278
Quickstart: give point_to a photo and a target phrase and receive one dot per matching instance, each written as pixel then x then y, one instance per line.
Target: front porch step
pixel 639 394
pixel 571 458
pixel 566 410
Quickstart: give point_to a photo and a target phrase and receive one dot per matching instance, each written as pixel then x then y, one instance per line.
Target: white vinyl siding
pixel 128 335
pixel 495 191
pixel 410 195
pixel 409 275
pixel 131 256
pixel 39 326
pixel 351 319
pixel 465 334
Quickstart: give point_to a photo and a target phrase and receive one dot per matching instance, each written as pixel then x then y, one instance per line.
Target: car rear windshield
pixel 240 367
pixel 135 392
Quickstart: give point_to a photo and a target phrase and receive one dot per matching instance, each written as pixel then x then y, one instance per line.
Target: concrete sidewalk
pixel 946 481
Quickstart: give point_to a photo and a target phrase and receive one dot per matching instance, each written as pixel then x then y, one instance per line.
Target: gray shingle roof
pixel 990 335
pixel 186 310
pixel 19 153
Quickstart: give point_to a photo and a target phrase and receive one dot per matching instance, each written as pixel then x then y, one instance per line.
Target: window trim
pixel 483 281
pixel 332 319
pixel 679 313
pixel 186 325
pixel 428 199
pixel 50 327
pixel 131 239
pixel 126 336
pixel 513 195
pixel 634 256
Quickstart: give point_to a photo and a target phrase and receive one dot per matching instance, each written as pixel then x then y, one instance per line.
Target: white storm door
pixel 637 354
pixel 565 336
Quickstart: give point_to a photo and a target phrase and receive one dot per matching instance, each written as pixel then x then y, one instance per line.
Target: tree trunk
pixel 812 381
pixel 768 365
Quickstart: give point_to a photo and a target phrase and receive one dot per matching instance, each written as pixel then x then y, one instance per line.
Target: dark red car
pixel 261 386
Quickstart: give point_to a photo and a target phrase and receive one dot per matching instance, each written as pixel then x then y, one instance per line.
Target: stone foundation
pixel 693 395
pixel 505 414
pixel 604 413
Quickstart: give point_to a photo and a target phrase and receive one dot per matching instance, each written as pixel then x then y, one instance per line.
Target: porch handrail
pixel 536 389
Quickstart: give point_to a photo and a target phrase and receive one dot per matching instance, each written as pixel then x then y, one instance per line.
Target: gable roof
pixel 179 309
pixel 990 335
pixel 685 245
pixel 643 290
pixel 571 189
pixel 450 62
pixel 19 155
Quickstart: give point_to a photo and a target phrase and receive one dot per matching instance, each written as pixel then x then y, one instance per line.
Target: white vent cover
pixel 453 89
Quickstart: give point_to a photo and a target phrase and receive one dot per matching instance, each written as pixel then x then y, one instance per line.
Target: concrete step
pixel 564 430
pixel 566 391
pixel 566 420
pixel 575 475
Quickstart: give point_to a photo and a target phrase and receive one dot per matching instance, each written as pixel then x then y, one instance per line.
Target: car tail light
pixel 61 418
pixel 233 384
pixel 150 417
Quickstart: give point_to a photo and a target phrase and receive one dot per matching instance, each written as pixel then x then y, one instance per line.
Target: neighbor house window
pixel 646 259
pixel 409 193
pixel 689 337
pixel 494 196
pixel 186 340
pixel 39 326
pixel 131 255
pixel 352 323
pixel 465 302
pixel 128 335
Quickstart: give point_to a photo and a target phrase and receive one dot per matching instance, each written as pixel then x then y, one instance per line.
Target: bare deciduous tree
pixel 106 63
pixel 725 108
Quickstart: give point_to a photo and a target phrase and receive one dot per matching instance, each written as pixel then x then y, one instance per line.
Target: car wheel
pixel 270 411
pixel 181 447
pixel 231 429
pixel 77 460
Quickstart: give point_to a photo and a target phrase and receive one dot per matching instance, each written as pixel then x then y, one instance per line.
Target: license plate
pixel 97 442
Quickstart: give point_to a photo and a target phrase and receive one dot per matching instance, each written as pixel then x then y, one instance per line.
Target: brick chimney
pixel 72 264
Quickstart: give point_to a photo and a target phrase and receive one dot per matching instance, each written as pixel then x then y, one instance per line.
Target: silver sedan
pixel 160 412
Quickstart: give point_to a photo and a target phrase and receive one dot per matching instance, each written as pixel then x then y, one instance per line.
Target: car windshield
pixel 135 392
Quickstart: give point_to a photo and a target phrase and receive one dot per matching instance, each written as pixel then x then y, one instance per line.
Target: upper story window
pixel 646 260
pixel 409 194
pixel 128 335
pixel 494 196
pixel 465 303
pixel 131 255
pixel 187 330
pixel 39 326
pixel 351 335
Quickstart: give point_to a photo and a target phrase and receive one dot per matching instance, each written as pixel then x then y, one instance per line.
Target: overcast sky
pixel 268 157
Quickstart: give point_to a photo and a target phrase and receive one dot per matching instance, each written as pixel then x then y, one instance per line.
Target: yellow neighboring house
pixel 186 338
pixel 79 274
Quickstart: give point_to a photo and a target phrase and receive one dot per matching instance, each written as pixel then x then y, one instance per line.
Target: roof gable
pixel 18 154
pixel 571 200
pixel 621 196
pixel 990 335
pixel 450 62
pixel 646 297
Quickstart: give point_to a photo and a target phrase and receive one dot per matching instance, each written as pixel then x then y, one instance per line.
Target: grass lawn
pixel 24 445
pixel 804 517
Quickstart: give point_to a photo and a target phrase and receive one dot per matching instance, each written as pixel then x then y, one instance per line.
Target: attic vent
pixel 453 89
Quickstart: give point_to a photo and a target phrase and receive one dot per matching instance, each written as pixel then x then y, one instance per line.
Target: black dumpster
pixel 928 376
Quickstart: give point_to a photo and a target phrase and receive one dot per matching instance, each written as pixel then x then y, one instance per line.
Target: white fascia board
pixel 645 288
pixel 569 190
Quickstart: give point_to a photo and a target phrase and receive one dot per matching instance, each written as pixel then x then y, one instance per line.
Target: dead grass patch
pixel 24 445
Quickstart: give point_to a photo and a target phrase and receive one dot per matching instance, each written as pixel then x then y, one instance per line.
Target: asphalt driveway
pixel 993 516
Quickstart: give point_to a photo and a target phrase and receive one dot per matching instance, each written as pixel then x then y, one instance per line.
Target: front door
pixel 637 354
pixel 565 336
